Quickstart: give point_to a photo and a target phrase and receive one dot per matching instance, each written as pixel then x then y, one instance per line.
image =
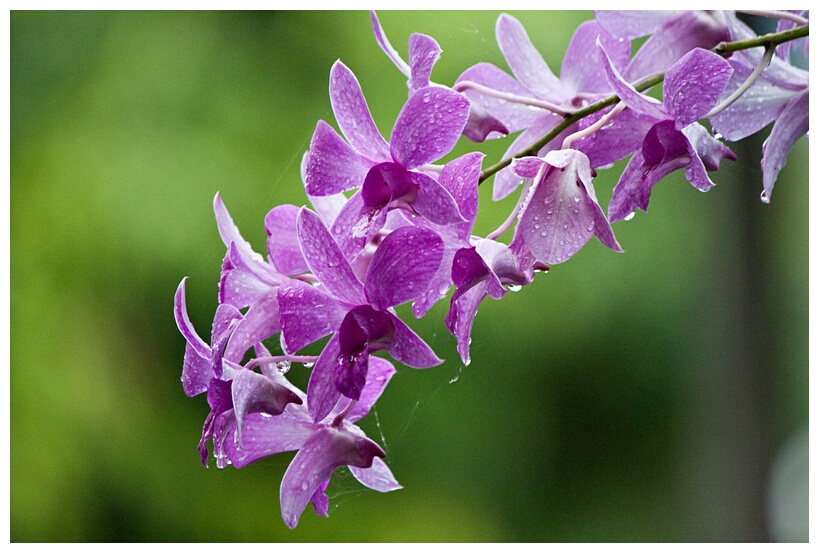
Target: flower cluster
pixel 388 225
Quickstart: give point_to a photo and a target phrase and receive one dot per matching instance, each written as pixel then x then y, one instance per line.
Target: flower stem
pixel 508 97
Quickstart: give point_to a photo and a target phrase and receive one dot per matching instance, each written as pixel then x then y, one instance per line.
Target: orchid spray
pixel 387 225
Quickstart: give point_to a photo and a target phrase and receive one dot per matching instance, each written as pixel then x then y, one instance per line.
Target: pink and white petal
pixel 408 348
pixel 423 53
pixel 333 166
pixel 460 178
pixel 385 45
pixel 326 260
pixel 180 312
pixel 261 322
pixel 307 313
pixel 582 67
pixel 378 477
pixel 353 115
pixel 513 115
pixel 403 266
pixel 694 84
pixel 434 202
pixel 428 126
pixel 322 394
pixel 525 61
pixel 526 167
pixel 328 207
pixel 791 125
pixel 283 241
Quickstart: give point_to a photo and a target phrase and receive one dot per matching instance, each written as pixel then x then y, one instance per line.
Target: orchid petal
pixel 525 61
pixel 514 116
pixel 385 45
pixel 693 85
pixel 325 259
pixel 322 394
pixel 378 477
pixel 283 241
pixel 260 322
pixel 633 23
pixel 184 324
pixel 263 435
pixel 254 393
pixel 408 348
pixel 240 284
pixel 434 202
pixel 791 125
pixel 353 115
pixel 402 266
pixel 378 376
pixel 461 315
pixel 307 314
pixel 229 232
pixel 423 53
pixel 627 93
pixel 428 126
pixel 332 165
pixel 582 68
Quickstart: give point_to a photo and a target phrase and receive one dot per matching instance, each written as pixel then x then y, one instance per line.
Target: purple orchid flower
pixel 359 315
pixel 322 445
pixel 227 384
pixel 390 175
pixel 482 270
pixel 779 94
pixel 560 212
pixel 692 86
pixel 578 85
pixel 423 52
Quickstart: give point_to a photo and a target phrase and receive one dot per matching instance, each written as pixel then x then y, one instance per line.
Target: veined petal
pixel 460 178
pixel 180 312
pixel 428 126
pixel 791 125
pixel 633 23
pixel 526 167
pixel 353 115
pixel 225 321
pixel 283 240
pixel 408 348
pixel 378 477
pixel 196 371
pixel 437 287
pixel 582 65
pixel 325 450
pixel 326 260
pixel 307 313
pixel 385 45
pixel 621 137
pixel 328 207
pixel 240 284
pixel 525 61
pixel 693 85
pixel 349 240
pixel 423 53
pixel 403 266
pixel 332 165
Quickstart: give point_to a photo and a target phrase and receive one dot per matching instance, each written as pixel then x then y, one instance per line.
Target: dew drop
pixel 283 366
pixel 590 227
pixel 629 217
pixel 764 197
pixel 514 287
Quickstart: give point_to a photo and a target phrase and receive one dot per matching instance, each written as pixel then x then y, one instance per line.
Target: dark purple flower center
pixel 388 182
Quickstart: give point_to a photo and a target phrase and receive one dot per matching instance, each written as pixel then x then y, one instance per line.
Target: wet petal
pixel 525 61
pixel 428 126
pixel 633 23
pixel 378 477
pixel 378 376
pixel 260 323
pixel 423 53
pixel 332 165
pixel 513 115
pixel 434 202
pixel 326 260
pixel 582 65
pixel 307 313
pixel 403 266
pixel 385 45
pixel 638 102
pixel 283 241
pixel 791 125
pixel 264 435
pixel 322 394
pixel 693 85
pixel 408 348
pixel 255 393
pixel 461 315
pixel 353 115
pixel 180 312
pixel 229 232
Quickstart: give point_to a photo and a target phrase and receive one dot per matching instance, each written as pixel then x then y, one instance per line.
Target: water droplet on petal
pixel 629 217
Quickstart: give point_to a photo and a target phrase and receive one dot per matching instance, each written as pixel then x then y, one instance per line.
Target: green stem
pixel 768 41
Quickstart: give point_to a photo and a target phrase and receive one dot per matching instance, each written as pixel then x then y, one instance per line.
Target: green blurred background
pixel 645 396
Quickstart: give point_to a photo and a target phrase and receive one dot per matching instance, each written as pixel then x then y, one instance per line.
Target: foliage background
pixel 639 397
